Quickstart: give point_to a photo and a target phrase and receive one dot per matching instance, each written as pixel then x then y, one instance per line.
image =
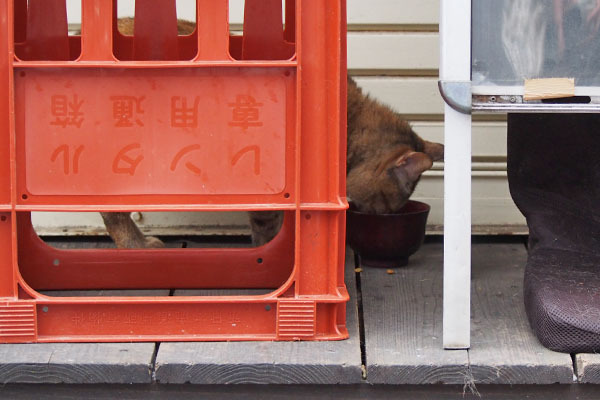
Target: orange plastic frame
pixel 157 121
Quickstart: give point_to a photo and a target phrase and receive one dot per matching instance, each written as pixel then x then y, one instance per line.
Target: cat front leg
pixel 126 234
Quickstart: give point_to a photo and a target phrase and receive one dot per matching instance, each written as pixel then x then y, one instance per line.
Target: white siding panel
pixel 393 12
pixel 489 138
pixel 393 51
pixel 492 205
pixel 412 96
pixel 372 12
pixel 236 12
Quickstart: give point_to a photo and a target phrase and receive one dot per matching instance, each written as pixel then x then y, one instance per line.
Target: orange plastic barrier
pixel 161 122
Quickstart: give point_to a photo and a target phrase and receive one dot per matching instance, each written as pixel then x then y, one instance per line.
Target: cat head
pixel 385 186
pixel 407 165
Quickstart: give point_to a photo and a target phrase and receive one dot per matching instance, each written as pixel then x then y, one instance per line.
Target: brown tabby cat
pixel 385 156
pixel 385 161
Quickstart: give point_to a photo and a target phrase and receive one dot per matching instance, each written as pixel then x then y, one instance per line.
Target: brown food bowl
pixel 387 240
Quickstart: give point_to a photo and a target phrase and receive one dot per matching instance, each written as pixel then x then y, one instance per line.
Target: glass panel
pixel 515 40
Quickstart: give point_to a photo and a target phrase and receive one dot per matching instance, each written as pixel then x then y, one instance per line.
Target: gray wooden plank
pixel 267 362
pixel 504 349
pixel 588 368
pixel 79 362
pixel 295 392
pixel 124 363
pixel 403 324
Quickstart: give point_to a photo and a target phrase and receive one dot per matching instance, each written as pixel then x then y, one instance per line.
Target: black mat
pixel 554 178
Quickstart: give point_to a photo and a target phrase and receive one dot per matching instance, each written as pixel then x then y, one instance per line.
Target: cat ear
pixel 434 150
pixel 412 165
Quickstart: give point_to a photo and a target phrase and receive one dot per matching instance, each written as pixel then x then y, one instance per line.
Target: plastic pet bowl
pixel 387 240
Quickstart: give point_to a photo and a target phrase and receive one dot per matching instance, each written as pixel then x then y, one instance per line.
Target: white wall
pixel 393 52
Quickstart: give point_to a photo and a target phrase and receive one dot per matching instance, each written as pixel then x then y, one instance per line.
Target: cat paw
pixel 153 242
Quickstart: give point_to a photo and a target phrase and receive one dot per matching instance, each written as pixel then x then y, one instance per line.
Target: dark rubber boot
pixel 554 178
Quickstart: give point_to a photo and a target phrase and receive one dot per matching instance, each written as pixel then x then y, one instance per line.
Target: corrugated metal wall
pixel 393 54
